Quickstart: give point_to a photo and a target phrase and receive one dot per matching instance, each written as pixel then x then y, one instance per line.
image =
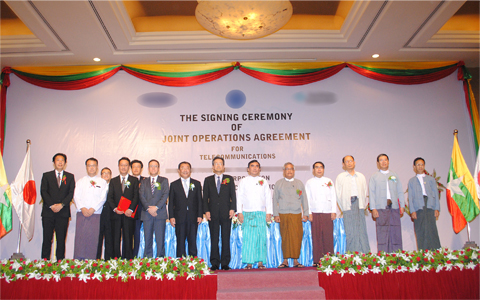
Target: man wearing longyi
pixel 254 207
pixel 123 224
pixel 290 208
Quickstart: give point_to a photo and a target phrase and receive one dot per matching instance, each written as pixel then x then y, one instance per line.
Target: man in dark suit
pixel 57 190
pixel 137 168
pixel 185 209
pixel 153 196
pixel 123 225
pixel 105 223
pixel 219 204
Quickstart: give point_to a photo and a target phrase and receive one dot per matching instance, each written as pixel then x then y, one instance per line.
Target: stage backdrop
pixel 242 119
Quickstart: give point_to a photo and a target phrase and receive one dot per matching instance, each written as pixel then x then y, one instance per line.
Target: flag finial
pixel 455 132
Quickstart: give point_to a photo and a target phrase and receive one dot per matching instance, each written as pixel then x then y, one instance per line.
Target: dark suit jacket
pixel 177 206
pixel 217 204
pixel 158 199
pixel 115 193
pixel 52 194
pixel 140 206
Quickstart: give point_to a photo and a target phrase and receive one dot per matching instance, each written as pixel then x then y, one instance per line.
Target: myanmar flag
pixel 462 197
pixel 5 202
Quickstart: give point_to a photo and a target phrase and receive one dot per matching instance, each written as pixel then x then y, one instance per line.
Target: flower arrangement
pixel 226 181
pixel 392 178
pixel 93 183
pixel 329 184
pixel 157 185
pixel 64 179
pixel 261 182
pixel 272 220
pixel 299 192
pixel 192 186
pixel 127 184
pixel 138 268
pixel 235 221
pixel 400 261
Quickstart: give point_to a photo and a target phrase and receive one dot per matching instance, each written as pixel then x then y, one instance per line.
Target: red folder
pixel 124 205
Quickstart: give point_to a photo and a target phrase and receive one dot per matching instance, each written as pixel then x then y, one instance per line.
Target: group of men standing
pixel 114 209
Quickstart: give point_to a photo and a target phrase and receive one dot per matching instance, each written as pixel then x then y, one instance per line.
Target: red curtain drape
pixel 293 80
pixel 407 80
pixel 454 284
pixel 180 288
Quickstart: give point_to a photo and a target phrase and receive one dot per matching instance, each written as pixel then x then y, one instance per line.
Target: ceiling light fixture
pixel 96 59
pixel 376 55
pixel 243 20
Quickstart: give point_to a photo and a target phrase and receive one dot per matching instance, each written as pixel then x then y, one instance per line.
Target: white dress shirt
pixel 388 189
pixel 252 195
pixel 322 198
pixel 90 192
pixel 186 185
pixel 422 183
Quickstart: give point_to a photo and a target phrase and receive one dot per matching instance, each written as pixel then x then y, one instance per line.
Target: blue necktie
pixel 218 184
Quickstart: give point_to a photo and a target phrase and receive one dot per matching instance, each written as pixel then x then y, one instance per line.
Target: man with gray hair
pixel 290 208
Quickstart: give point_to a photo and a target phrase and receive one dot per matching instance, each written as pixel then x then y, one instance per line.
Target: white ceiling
pixel 74 32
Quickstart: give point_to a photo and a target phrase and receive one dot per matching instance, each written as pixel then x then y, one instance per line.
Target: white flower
pixel 113 264
pixel 7 279
pixel 4 261
pixel 470 266
pixel 405 258
pixel 460 266
pixel 376 270
pixel 429 255
pixel 335 259
pixel 474 255
pixel 439 268
pixel 342 272
pixel 365 270
pixel 148 275
pixel 19 276
pixel 192 264
pixel 16 265
pixel 47 276
pixel 158 276
pixel 163 266
pixel 206 271
pixel 83 277
pixel 414 268
pixel 108 275
pixel 191 276
pixel 70 276
pixel 30 275
pixel 97 276
pixel 426 268
pixel 64 267
pixel 134 274
pixel 448 267
pixel 328 271
pixel 56 276
pixel 391 270
pixel 38 265
pixel 170 276
pixel 357 260
pixel 122 275
pixel 27 261
pixel 451 256
pixel 382 261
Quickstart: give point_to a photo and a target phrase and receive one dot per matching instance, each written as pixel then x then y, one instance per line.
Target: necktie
pixel 59 180
pixel 218 184
pixel 153 185
pixel 123 184
pixel 185 187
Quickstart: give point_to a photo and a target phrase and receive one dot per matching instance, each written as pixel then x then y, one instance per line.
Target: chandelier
pixel 243 20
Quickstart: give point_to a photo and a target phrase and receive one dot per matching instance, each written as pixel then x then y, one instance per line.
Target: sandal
pixel 262 267
pixel 299 266
pixel 248 267
pixel 282 266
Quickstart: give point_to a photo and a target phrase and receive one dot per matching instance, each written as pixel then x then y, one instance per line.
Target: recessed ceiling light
pixel 96 59
pixel 375 55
